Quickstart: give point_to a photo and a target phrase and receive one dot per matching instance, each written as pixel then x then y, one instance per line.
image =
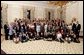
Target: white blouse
pixel 38 28
pixel 59 35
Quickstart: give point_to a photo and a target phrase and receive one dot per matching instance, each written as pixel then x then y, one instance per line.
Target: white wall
pixel 75 10
pixel 80 13
pixel 71 11
pixel 14 11
pixel 39 12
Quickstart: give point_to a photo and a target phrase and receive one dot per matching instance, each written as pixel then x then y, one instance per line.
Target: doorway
pixel 28 14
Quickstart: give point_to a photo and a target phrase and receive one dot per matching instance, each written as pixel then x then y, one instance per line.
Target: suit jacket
pixel 78 27
pixel 74 27
pixel 6 29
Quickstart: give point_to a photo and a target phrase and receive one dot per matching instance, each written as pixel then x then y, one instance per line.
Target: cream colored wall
pixel 75 10
pixel 17 10
pixel 39 13
pixel 32 10
pixel 4 16
pixel 51 13
pixel 14 11
pixel 80 13
pixel 71 11
pixel 4 13
pixel 57 13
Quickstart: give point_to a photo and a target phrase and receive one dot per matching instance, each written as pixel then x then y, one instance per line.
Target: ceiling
pixel 54 3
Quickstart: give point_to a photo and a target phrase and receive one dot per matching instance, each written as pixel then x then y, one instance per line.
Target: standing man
pixel 78 27
pixel 6 30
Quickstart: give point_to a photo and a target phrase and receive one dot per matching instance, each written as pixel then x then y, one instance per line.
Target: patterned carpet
pixel 42 47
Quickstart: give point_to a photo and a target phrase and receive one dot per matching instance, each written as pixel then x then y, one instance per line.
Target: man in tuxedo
pixel 6 30
pixel 74 28
pixel 78 27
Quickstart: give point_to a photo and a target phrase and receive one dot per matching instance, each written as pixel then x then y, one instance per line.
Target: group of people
pixel 24 30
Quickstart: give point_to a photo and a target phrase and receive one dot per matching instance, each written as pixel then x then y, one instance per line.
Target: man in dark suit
pixel 78 27
pixel 74 28
pixel 6 30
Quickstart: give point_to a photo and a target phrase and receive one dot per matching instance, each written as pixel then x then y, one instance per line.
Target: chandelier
pixel 58 3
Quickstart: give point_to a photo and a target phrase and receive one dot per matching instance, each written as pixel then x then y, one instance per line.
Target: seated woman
pixel 59 37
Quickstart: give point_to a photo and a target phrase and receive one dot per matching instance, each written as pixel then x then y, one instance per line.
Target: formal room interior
pixel 41 27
